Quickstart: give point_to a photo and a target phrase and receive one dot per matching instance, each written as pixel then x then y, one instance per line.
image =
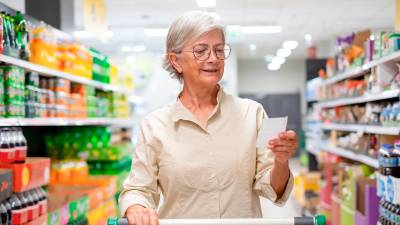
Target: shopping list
pixel 270 129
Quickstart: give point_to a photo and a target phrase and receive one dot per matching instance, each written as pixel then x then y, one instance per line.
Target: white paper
pixel 270 129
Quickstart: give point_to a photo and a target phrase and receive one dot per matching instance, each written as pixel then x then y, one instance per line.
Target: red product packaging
pixel 35 172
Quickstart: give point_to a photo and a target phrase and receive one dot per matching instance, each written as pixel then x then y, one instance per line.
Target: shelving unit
pixel 45 71
pixel 363 128
pixel 357 100
pixel 326 146
pixel 358 71
pixel 66 122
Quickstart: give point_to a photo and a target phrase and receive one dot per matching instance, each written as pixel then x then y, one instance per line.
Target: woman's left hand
pixel 284 146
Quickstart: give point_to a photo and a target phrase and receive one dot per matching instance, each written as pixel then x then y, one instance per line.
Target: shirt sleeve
pixel 141 187
pixel 264 163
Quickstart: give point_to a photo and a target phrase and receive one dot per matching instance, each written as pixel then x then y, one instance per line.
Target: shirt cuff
pixel 271 194
pixel 130 198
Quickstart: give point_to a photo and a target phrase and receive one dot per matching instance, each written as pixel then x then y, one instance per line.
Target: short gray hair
pixel 189 25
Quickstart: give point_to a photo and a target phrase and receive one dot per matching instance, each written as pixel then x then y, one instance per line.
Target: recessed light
pixel 139 48
pixel 283 52
pixel 273 66
pixel 290 45
pixel 252 47
pixel 278 60
pixel 126 49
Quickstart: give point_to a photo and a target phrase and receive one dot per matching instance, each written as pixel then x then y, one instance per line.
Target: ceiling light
pixel 130 59
pixel 290 45
pixel 260 29
pixel 308 38
pixel 278 60
pixel 283 52
pixel 273 66
pixel 126 49
pixel 109 34
pixel 206 3
pixel 252 47
pixel 156 32
pixel 139 48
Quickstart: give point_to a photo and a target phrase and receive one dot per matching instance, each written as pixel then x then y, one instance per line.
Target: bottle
pixel 31 207
pixel 397 213
pixel 7 152
pixel 22 146
pixel 3 214
pixel 9 211
pixel 17 210
pixel 21 34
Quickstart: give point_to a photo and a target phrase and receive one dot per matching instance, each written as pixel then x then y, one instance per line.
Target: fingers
pixel 288 135
pixel 153 218
pixel 139 218
pixel 131 219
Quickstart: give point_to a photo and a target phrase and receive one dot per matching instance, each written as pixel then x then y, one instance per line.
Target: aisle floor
pixel 291 209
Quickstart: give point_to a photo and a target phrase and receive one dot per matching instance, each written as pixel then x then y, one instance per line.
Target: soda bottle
pixel 21 151
pixel 3 214
pixel 17 210
pixel 9 211
pixel 32 207
pixel 7 152
pixel 21 34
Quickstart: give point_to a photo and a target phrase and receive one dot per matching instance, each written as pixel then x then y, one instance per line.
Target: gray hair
pixel 189 25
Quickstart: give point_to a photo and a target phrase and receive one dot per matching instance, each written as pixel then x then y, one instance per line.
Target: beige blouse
pixel 202 173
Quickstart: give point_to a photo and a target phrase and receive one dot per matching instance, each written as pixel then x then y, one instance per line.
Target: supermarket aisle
pixel 291 209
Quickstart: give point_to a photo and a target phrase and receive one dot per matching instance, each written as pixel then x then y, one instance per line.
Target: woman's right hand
pixel 139 215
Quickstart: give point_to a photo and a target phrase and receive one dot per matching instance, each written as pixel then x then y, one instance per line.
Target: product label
pixel 19 216
pixel 25 176
pixel 381 181
pixel 7 155
pixel 397 192
pixel 390 189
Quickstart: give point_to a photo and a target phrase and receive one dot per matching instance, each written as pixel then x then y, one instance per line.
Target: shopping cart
pixel 318 220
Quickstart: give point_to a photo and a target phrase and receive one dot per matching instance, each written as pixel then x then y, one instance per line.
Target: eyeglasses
pixel 202 51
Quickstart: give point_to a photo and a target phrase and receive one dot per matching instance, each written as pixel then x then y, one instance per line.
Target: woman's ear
pixel 173 59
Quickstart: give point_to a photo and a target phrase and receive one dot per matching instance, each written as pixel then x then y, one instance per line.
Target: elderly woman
pixel 200 152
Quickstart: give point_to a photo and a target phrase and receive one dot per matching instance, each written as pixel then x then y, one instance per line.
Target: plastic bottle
pixel 7 151
pixel 17 210
pixel 9 211
pixel 3 214
pixel 22 145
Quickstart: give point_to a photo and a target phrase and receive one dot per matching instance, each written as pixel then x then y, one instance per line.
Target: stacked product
pixel 13 89
pixel 389 184
pixel 13 35
pixel 28 200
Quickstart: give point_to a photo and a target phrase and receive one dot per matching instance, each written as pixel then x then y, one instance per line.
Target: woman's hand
pixel 284 146
pixel 139 215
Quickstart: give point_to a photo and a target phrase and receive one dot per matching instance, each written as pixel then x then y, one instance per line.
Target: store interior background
pixel 311 23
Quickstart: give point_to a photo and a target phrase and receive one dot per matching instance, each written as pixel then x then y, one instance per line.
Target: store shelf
pixel 356 100
pixel 349 154
pixel 363 128
pixel 45 71
pixel 358 71
pixel 66 122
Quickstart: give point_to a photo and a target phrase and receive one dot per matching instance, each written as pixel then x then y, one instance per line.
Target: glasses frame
pixel 209 52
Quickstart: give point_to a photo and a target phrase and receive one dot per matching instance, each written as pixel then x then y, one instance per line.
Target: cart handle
pixel 318 220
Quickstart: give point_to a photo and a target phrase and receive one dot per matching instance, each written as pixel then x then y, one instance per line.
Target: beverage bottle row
pixel 13 145
pixel 23 207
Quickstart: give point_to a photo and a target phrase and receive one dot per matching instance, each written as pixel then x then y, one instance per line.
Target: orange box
pixel 35 172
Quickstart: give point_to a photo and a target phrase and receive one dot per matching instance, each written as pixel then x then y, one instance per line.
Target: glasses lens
pixel 227 51
pixel 201 52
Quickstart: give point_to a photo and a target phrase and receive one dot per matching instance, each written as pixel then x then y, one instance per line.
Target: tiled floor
pixel 291 209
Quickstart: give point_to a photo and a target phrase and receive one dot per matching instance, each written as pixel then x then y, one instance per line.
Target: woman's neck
pixel 197 98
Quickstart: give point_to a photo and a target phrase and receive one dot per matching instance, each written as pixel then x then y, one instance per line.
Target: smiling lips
pixel 210 70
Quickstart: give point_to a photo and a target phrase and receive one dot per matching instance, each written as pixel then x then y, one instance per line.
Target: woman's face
pixel 198 69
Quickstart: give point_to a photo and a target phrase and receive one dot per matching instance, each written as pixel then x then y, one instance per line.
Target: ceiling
pixel 323 19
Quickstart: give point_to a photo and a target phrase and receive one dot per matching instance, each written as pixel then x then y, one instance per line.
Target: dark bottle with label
pixel 3 214
pixel 9 211
pixel 16 207
pixel 7 151
pixel 35 197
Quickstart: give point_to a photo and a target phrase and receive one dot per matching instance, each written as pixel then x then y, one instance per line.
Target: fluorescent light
pixel 308 38
pixel 261 29
pixel 273 66
pixel 126 49
pixel 278 60
pixel 206 3
pixel 290 45
pixel 252 47
pixel 156 32
pixel 139 48
pixel 283 52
